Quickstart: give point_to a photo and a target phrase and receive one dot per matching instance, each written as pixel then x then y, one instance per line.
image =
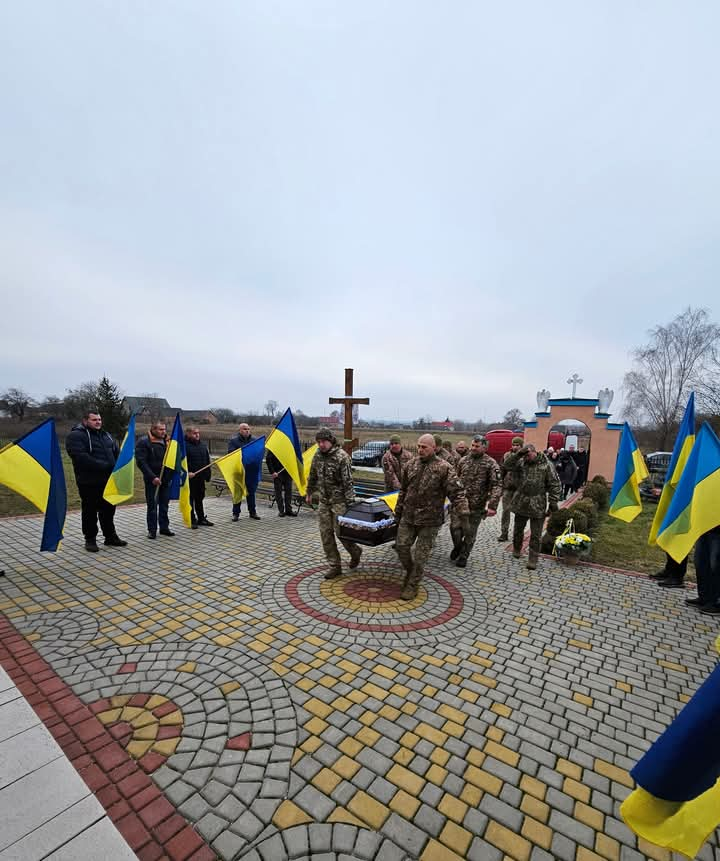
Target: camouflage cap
pixel 517 440
pixel 438 440
pixel 480 438
pixel 394 439
pixel 325 433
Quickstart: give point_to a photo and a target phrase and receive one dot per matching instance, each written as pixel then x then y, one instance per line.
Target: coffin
pixel 370 522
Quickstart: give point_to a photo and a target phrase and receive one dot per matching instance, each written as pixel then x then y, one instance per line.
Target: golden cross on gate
pixel 349 401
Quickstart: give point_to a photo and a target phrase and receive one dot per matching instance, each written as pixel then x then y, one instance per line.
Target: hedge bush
pixel 598 493
pixel 590 509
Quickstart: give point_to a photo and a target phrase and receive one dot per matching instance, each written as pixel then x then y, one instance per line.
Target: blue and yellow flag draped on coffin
pixel 390 499
pixel 284 443
pixel 32 466
pixel 630 470
pixel 695 506
pixel 681 451
pixel 121 485
pixel 176 460
pixel 677 800
pixel 242 468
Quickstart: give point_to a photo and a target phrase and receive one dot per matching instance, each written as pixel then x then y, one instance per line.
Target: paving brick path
pixel 223 700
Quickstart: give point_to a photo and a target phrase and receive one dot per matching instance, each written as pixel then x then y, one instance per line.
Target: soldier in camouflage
pixel 393 462
pixel 426 481
pixel 440 449
pixel 508 488
pixel 479 474
pixel 537 490
pixel 331 478
pixel 461 449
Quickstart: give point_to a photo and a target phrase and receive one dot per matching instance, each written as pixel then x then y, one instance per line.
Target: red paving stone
pixel 97 754
pixel 128 668
pixel 239 742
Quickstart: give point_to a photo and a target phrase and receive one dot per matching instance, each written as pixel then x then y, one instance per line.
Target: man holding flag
pixel 150 456
pixel 93 453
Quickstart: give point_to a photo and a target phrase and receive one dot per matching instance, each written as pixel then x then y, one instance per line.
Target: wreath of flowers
pixel 574 540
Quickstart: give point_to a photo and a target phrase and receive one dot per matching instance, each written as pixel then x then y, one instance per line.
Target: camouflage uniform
pixel 420 511
pixel 537 488
pixel 444 454
pixel 331 478
pixel 480 476
pixel 393 465
pixel 507 495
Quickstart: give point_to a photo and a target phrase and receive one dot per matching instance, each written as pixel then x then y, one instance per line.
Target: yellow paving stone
pixel 452 807
pixel 521 620
pixel 589 815
pixel 576 789
pixel 408 708
pixel 435 774
pixel 145 733
pixel 401 656
pixel 374 691
pixel 484 662
pixel 154 701
pixel 536 832
pixel 456 730
pixel 138 749
pixel 317 708
pixel 310 745
pixel 569 769
pixel 346 767
pixel 438 756
pixel 328 681
pixel 475 757
pixel 340 814
pixel 350 746
pixel 130 712
pixel 349 666
pixel 535 808
pixel 657 853
pixel 624 686
pixel 109 716
pixel 669 665
pixel 173 719
pixel 315 641
pixel 495 734
pixel 341 704
pixel 258 646
pixel 409 739
pixel 368 810
pixel 369 654
pixel 193 635
pixel 404 755
pixel 326 780
pixel 455 679
pixel 305 684
pixel 367 736
pixel 288 628
pixel 456 838
pixel 368 717
pixel 229 687
pixel 392 714
pixel 414 673
pixel 471 795
pixel 424 730
pixel 580 644
pixel 481 679
pixel 429 690
pixel 484 780
pixel 516 846
pixel 584 854
pixel 405 779
pixel 399 690
pixel 435 851
pixel 504 754
pixel 357 697
pixel 404 804
pixel 297 756
pixel 384 671
pixel 470 696
pixel 613 772
pixel 607 848
pixel 485 647
pixel 583 700
pixel 452 714
pixel 224 640
pixel 124 640
pixel 166 746
pixel 316 726
pixel 187 667
pixel 431 659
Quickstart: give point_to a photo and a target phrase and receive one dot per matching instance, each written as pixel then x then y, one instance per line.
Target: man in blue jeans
pixel 149 456
pixel 240 440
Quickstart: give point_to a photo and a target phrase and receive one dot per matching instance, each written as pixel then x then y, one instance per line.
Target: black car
pixel 371 453
pixel 657 464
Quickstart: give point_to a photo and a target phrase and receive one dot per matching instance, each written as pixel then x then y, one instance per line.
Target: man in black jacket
pixel 93 453
pixel 198 457
pixel 240 440
pixel 149 456
pixel 282 483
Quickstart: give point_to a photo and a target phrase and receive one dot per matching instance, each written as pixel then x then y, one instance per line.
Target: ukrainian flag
pixel 681 451
pixel 694 508
pixel 390 499
pixel 284 443
pixel 677 800
pixel 308 456
pixel 176 460
pixel 242 468
pixel 121 485
pixel 32 466
pixel 630 470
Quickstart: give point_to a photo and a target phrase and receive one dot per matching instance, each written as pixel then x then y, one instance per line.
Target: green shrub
pixel 546 543
pixel 598 493
pixel 600 479
pixel 590 509
pixel 580 518
pixel 556 522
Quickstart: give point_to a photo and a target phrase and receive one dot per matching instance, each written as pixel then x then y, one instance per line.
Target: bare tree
pixel 513 418
pixel 271 409
pixel 224 415
pixel 666 368
pixel 17 402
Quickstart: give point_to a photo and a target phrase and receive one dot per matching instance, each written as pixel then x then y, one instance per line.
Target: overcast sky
pixel 227 202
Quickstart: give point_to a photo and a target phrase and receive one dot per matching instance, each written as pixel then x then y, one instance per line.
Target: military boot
pixel 503 536
pixel 532 561
pixel 457 540
pixel 333 573
pixel 516 550
pixel 355 557
pixel 410 586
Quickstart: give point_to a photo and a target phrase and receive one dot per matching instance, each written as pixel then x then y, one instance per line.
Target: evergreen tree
pixel 109 402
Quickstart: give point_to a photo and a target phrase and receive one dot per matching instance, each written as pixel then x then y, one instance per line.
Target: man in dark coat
pixel 282 483
pixel 198 457
pixel 149 456
pixel 93 453
pixel 240 440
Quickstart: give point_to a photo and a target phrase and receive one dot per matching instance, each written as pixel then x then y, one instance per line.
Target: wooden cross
pixel 349 401
pixel 575 380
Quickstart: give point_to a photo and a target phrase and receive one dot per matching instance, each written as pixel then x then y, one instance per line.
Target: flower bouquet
pixel 572 545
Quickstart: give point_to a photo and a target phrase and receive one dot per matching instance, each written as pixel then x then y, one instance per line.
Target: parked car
pixel 370 454
pixel 657 463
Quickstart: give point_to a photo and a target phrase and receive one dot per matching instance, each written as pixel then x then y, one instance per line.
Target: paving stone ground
pixel 223 700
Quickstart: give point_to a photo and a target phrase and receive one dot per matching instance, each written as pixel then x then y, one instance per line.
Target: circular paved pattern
pixel 67 630
pixel 365 606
